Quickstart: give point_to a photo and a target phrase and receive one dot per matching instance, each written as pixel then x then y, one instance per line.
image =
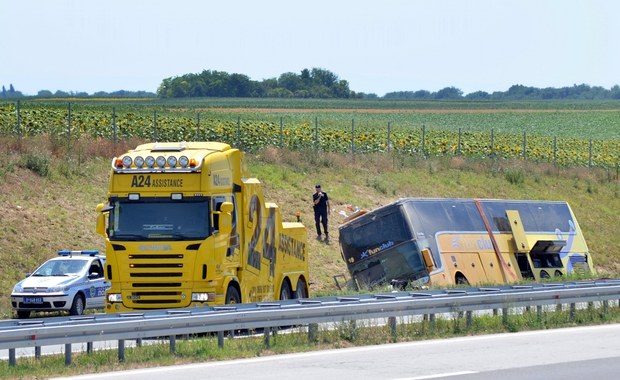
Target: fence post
pixel 238 131
pixel 492 143
pixel 555 150
pixel 68 125
pixel 198 127
pixel 389 143
pixel 19 125
pixel 281 130
pixel 316 133
pixel 423 140
pixel 155 126
pixel 114 123
pixel 353 136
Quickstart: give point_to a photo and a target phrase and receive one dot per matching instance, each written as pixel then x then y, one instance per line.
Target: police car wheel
pixel 77 308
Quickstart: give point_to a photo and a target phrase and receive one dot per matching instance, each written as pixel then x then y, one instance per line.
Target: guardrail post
pixel 539 312
pixel 505 315
pixel 37 352
pixel 392 324
pixel 12 360
pixel 139 342
pixel 267 337
pixel 573 311
pixel 220 339
pixel 605 307
pixel 68 354
pixel 558 307
pixel 313 330
pixel 121 350
pixel 173 344
pixel 468 318
pixel 431 319
pixel 89 347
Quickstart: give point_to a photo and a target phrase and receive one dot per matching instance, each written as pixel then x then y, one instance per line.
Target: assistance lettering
pixel 146 181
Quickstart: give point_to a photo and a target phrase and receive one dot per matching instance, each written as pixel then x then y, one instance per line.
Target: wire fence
pixel 252 135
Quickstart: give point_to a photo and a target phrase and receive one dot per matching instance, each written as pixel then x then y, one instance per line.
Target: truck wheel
pixel 77 308
pixel 24 314
pixel 232 295
pixel 302 291
pixel 285 291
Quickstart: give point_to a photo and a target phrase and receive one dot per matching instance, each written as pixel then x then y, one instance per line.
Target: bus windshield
pixel 380 249
pixel 159 219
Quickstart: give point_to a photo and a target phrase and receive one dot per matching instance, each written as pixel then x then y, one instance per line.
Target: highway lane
pixel 571 353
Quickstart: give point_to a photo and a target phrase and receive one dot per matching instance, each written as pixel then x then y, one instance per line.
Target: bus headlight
pixel 115 297
pixel 202 297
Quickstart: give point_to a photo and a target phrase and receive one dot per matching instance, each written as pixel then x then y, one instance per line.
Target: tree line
pixel 309 83
pixel 323 84
pixel 516 92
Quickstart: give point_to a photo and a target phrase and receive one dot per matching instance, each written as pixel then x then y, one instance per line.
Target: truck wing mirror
pixel 225 217
pixel 101 213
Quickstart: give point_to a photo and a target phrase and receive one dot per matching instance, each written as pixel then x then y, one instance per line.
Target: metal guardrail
pixel 173 322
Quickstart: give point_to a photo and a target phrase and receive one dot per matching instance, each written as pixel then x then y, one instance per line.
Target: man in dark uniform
pixel 321 209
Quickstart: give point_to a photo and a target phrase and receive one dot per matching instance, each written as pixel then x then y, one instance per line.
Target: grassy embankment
pixel 48 197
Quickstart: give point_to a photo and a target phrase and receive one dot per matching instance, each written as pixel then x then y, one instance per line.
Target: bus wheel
pixel 285 291
pixel 232 295
pixel 461 280
pixel 557 273
pixel 302 291
pixel 544 274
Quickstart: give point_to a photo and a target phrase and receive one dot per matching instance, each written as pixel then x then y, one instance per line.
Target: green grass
pixel 45 213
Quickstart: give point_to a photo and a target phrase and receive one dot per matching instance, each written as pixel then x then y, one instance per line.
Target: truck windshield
pixel 159 219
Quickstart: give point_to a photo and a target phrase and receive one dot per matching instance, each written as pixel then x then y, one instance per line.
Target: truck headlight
pixel 115 297
pixel 202 297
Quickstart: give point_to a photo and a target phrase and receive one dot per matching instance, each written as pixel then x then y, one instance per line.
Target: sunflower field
pixel 566 135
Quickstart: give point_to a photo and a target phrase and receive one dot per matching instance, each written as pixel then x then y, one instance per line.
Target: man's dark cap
pixel 317 186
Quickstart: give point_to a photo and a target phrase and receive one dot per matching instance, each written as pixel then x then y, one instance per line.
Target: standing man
pixel 321 209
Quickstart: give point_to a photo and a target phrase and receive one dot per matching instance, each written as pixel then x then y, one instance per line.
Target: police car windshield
pixel 61 268
pixel 159 219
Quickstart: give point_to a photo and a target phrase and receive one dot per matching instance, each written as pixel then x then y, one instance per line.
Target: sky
pixel 377 46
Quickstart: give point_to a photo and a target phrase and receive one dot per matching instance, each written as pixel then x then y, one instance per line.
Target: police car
pixel 73 282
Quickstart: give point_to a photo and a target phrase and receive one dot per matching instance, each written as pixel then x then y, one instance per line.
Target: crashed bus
pixel 451 241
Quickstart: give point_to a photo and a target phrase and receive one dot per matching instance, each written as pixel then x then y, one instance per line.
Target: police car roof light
pixel 89 252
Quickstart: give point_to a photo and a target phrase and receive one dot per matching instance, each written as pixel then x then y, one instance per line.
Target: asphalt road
pixel 572 353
